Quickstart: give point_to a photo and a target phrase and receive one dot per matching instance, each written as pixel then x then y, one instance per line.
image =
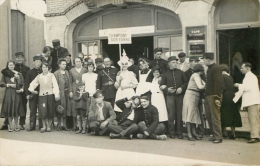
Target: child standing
pixel 81 98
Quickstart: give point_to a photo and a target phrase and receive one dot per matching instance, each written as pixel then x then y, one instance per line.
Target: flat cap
pixel 181 54
pixel 172 58
pixel 80 84
pixel 97 93
pixel 159 49
pixel 144 60
pixel 208 55
pixel 37 57
pixel 56 42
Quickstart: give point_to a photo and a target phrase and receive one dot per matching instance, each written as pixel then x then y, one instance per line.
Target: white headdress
pixel 124 59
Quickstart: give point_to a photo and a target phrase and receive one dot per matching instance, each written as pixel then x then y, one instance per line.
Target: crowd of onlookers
pixel 147 99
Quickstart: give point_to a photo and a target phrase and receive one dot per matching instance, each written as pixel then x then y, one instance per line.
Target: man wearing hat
pixel 158 61
pixel 21 68
pixel 213 96
pixel 106 80
pixel 99 64
pixel 33 98
pixel 182 65
pixel 126 120
pixel 174 84
pixel 100 114
pixel 57 53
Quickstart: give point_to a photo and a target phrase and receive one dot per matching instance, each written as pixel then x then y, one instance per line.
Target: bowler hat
pixel 56 42
pixel 208 55
pixel 98 60
pixel 181 54
pixel 19 53
pixel 37 57
pixel 172 58
pixel 157 50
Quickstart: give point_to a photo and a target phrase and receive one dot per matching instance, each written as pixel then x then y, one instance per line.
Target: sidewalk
pixel 31 153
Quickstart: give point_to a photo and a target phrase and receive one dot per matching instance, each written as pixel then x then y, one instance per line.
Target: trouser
pixel 124 129
pixel 253 118
pixel 200 128
pixel 213 116
pixel 24 101
pixel 95 126
pixel 174 107
pixel 33 105
pixel 158 131
pixel 112 101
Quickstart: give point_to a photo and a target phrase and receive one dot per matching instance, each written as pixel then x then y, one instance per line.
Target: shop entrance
pixel 237 46
pixel 140 47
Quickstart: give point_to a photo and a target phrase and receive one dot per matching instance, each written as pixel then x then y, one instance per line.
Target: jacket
pixel 108 112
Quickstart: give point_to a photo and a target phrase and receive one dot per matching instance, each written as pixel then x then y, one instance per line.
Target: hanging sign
pixel 122 36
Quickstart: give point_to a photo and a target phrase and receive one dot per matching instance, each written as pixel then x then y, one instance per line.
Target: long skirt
pixel 120 94
pixel 190 111
pixel 46 106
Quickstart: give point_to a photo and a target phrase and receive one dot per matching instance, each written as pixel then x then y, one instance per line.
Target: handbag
pixel 59 109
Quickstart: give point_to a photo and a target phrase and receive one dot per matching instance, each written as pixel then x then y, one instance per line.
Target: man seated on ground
pixel 149 126
pixel 100 114
pixel 125 126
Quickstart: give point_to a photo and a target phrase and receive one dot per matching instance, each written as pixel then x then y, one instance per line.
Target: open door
pixel 223 48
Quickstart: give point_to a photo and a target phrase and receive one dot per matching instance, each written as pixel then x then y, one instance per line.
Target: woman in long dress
pixel 48 89
pixel 76 77
pixel 157 98
pixel 190 111
pixel 230 116
pixel 125 82
pixel 63 79
pixel 12 106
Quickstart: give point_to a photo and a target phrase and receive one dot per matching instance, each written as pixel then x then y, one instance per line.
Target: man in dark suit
pixel 56 54
pixel 101 114
pixel 149 126
pixel 23 69
pixel 213 96
pixel 158 61
pixel 33 98
pixel 174 84
pixel 105 81
pixel 126 120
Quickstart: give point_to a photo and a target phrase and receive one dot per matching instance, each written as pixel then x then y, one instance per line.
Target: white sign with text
pixel 122 36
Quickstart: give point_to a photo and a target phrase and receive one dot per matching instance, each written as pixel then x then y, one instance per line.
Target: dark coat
pixel 230 115
pixel 81 101
pixel 57 54
pixel 23 69
pixel 150 116
pixel 105 84
pixel 180 81
pixel 214 81
pixel 29 77
pixel 163 64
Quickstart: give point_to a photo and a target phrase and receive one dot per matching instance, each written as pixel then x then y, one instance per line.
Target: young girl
pixel 81 98
pixel 48 89
pixel 12 106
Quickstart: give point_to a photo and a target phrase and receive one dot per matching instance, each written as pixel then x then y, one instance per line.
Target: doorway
pixel 236 46
pixel 140 47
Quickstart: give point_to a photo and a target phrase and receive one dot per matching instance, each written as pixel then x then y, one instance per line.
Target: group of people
pixel 153 99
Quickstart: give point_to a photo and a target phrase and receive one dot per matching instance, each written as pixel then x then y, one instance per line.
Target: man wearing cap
pixel 158 61
pixel 149 126
pixel 33 98
pixel 99 64
pixel 68 61
pixel 182 65
pixel 174 84
pixel 106 80
pixel 57 53
pixel 101 114
pixel 23 69
pixel 213 96
pixel 145 78
pixel 126 120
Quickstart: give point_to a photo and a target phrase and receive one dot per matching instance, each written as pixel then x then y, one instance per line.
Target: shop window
pixel 89 48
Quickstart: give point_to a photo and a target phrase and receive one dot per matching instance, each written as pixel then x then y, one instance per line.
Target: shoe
pixel 83 132
pixel 10 130
pixel 212 139
pixel 253 140
pixel 48 130
pixel 17 129
pixel 64 128
pixel 161 137
pixel 180 136
pixel 113 136
pixel 140 136
pixel 73 130
pixel 232 137
pixel 31 129
pixel 22 127
pixel 191 138
pixel 59 129
pixel 197 137
pixel 130 136
pixel 216 141
pixel 4 127
pixel 43 130
pixel 172 136
pixel 77 132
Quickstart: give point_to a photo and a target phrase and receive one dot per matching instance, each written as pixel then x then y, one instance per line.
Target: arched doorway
pixel 150 28
pixel 237 24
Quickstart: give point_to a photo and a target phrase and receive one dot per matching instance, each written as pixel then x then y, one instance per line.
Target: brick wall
pixel 57 6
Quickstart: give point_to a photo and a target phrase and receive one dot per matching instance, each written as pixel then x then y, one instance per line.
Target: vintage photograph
pixel 129 82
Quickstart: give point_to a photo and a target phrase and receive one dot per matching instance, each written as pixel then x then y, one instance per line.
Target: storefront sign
pixel 196 33
pixel 122 36
pixel 134 30
pixel 197 49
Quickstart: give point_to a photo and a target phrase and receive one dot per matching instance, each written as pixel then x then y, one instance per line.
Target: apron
pixel 143 86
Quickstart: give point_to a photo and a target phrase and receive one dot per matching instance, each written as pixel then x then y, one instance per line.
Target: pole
pixel 120 55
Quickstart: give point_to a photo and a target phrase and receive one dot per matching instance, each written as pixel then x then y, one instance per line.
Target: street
pixel 59 145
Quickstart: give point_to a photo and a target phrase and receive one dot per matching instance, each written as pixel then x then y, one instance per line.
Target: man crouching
pixel 149 126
